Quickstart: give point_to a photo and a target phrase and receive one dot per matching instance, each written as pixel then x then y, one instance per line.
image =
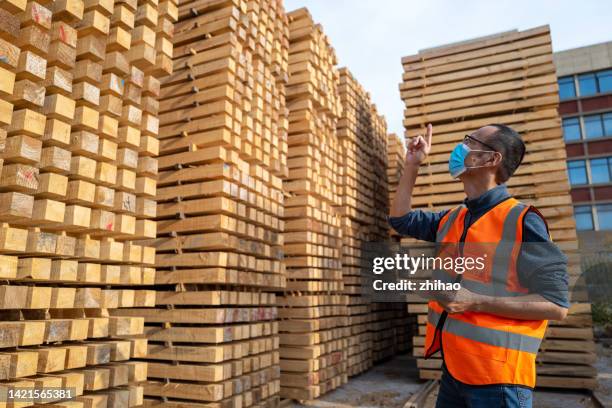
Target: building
pixel 585 90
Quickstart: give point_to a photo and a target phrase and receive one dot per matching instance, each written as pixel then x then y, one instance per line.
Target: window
pixel 593 126
pixel 577 172
pixel 587 84
pixel 600 170
pixel 607 120
pixel 567 90
pixel 583 215
pixel 571 129
pixel 604 80
pixel 604 216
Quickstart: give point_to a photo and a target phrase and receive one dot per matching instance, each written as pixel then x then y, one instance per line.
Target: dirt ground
pixel 392 383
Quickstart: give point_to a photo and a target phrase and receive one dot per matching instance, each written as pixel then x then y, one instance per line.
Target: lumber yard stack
pixel 405 325
pixel 392 329
pixel 313 310
pixel 72 188
pixel 213 335
pixel 506 78
pixel 378 163
pixel 364 193
pixel 354 131
pixel 391 326
pixel 396 155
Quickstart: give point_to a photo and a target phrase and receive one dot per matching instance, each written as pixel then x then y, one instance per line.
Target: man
pixel 489 331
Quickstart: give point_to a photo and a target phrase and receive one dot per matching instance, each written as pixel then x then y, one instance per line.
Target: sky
pixel 371 36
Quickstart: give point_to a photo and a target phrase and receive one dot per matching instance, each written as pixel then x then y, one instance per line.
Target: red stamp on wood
pixel 62 33
pixel 35 13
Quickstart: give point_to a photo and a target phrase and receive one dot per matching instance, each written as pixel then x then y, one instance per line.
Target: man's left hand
pixel 462 301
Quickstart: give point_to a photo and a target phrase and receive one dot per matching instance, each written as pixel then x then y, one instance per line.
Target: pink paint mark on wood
pixel 62 33
pixel 35 12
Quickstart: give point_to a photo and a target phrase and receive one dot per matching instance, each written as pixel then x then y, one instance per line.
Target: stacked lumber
pixel 391 328
pixel 364 206
pixel 354 132
pixel 378 163
pixel 505 78
pixel 396 156
pixel 314 336
pixel 405 326
pixel 69 190
pixel 213 336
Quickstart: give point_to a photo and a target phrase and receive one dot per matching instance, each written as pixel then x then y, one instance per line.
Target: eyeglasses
pixel 469 138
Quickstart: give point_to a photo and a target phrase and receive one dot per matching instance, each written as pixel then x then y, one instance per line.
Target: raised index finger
pixel 429 134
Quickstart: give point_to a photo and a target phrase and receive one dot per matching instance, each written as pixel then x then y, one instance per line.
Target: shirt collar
pixel 479 205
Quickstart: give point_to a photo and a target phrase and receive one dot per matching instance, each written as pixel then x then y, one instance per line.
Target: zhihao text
pixel 406 285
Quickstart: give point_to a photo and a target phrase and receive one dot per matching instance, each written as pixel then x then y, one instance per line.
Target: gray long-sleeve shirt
pixel 542 269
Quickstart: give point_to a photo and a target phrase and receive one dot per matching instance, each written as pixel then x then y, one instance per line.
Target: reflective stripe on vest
pixel 498 338
pixel 501 260
pixel 440 235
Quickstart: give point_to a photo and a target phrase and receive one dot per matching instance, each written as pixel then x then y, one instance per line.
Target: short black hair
pixel 509 143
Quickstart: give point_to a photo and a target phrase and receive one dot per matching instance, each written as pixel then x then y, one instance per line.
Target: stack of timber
pixel 378 163
pixel 362 134
pixel 69 190
pixel 391 326
pixel 354 131
pixel 396 149
pixel 392 329
pixel 213 336
pixel 405 326
pixel 507 78
pixel 314 332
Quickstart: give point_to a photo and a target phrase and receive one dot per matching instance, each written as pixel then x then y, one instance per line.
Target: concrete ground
pixel 392 383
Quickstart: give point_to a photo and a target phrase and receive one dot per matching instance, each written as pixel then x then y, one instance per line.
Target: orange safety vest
pixel 480 348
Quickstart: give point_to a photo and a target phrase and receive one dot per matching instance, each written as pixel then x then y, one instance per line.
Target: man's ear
pixel 497 158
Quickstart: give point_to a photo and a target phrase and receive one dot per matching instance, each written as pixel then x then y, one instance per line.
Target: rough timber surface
pixel 78 151
pixel 377 331
pixel 313 325
pixel 213 336
pixel 396 153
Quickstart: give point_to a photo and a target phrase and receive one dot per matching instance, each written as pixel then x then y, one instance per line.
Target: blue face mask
pixel 456 163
